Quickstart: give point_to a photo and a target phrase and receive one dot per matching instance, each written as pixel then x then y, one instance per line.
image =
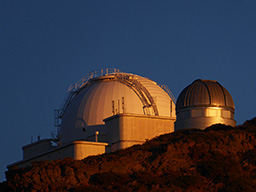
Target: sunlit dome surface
pixel 202 104
pixel 205 93
pixel 109 94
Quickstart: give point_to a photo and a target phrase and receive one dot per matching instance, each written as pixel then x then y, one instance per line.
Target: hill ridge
pixel 219 158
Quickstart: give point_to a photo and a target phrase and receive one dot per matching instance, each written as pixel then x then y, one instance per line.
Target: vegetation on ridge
pixel 219 158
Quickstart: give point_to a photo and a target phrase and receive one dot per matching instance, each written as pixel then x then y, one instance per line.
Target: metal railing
pixel 167 90
pixel 93 74
pixel 73 89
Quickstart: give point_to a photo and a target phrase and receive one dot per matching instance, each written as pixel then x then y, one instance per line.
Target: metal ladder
pixel 142 92
pixel 168 91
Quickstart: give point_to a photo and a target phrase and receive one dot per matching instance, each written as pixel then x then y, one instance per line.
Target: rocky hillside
pixel 220 158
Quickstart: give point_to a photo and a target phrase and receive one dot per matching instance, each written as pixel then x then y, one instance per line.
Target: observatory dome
pixel 203 103
pixel 103 94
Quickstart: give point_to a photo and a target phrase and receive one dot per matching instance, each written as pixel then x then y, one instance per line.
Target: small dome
pixel 205 93
pixel 203 103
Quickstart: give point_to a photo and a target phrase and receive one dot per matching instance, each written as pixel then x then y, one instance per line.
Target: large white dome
pixel 107 95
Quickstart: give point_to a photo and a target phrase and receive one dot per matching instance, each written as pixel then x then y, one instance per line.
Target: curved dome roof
pixel 204 93
pixel 109 94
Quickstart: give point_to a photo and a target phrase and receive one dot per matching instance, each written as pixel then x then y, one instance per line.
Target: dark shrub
pixel 108 178
pixel 86 188
pixel 219 127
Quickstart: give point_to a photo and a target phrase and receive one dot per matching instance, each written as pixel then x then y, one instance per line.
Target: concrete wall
pixel 77 150
pixel 84 149
pixel 125 130
pixel 37 148
pixel 202 122
pixel 200 118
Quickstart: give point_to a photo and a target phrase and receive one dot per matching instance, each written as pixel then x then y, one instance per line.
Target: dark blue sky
pixel 47 45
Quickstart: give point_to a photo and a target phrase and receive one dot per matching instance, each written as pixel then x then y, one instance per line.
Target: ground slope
pixel 220 158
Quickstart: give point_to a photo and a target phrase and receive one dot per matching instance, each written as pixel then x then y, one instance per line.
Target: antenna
pixel 96 136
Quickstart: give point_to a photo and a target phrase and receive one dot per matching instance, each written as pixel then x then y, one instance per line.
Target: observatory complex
pixel 108 110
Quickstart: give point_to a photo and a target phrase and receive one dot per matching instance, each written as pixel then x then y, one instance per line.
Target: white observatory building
pixel 122 109
pixel 105 111
pixel 108 110
pixel 203 103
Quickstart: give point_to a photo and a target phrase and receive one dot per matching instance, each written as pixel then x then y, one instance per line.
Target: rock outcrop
pixel 219 158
